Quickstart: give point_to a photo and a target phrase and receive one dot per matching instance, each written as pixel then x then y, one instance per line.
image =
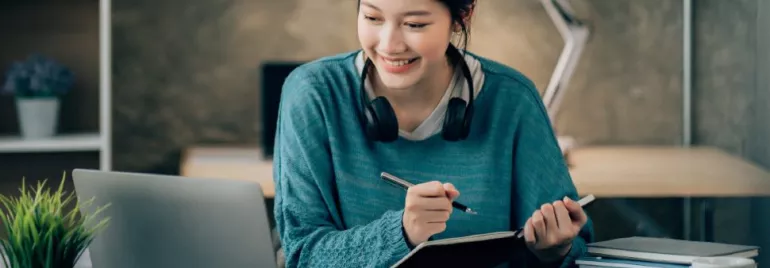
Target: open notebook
pixel 481 250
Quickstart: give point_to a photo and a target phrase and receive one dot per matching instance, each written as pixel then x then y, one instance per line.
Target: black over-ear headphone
pixel 379 119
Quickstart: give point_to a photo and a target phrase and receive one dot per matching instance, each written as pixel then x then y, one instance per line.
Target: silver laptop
pixel 171 221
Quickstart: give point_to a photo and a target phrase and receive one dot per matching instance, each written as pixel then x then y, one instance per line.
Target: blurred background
pixel 207 74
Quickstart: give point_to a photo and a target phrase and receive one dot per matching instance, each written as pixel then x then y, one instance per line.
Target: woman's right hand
pixel 428 207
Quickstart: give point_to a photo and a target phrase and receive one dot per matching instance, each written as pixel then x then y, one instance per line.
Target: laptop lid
pixel 173 221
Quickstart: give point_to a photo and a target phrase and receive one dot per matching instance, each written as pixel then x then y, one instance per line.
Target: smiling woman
pixel 412 103
pixel 408 45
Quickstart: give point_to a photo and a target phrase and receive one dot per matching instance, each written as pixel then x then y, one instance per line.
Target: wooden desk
pixel 605 171
pixel 648 171
pixel 242 163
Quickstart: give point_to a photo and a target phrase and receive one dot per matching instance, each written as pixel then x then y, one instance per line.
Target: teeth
pixel 398 62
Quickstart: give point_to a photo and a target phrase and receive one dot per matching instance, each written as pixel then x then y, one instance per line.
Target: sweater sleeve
pixel 540 172
pixel 309 224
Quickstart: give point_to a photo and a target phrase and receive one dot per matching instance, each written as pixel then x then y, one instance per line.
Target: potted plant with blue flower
pixel 38 83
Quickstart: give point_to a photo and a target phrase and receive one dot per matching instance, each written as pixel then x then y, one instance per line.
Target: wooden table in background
pixel 649 171
pixel 701 173
pixel 605 171
pixel 241 163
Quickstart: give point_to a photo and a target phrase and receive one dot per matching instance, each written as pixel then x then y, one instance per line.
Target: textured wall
pixel 725 70
pixel 627 87
pixel 759 148
pixel 188 73
pixel 193 77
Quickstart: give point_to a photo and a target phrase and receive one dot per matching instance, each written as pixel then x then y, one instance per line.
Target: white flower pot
pixel 38 117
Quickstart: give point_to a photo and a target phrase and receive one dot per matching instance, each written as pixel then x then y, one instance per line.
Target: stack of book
pixel 644 252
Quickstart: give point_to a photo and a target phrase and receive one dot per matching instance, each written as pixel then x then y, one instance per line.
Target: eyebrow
pixel 408 13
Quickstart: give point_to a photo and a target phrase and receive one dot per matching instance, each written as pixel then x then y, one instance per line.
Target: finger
pixel 538 222
pixel 434 216
pixel 562 215
pixel 429 189
pixel 562 218
pixel 549 215
pixel 433 203
pixel 577 214
pixel 529 232
pixel 451 191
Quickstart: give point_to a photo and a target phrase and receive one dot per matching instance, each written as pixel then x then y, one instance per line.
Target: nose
pixel 391 41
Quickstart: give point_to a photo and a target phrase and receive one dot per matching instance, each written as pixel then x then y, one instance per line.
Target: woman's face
pixel 405 39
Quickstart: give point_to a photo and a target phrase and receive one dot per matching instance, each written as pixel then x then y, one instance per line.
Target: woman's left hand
pixel 551 229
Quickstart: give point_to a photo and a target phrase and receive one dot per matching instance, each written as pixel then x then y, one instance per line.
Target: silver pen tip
pixel 468 210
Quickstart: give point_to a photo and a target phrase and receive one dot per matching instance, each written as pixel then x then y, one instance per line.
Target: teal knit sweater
pixel 333 210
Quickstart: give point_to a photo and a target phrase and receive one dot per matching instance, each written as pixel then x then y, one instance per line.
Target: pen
pixel 405 185
pixel 582 202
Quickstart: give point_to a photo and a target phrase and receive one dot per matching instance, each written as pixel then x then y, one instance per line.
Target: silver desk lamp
pixel 575 35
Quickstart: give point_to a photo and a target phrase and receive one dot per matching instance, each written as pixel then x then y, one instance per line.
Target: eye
pixel 370 18
pixel 416 25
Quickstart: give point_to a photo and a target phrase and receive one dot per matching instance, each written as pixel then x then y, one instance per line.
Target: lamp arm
pixel 575 35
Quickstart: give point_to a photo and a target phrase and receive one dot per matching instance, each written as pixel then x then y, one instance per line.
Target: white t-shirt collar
pixel 433 123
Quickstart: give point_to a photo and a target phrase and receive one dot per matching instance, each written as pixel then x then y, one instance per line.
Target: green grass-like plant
pixel 42 231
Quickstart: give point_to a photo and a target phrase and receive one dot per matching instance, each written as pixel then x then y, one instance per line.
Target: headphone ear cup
pixel 387 123
pixel 466 127
pixel 454 121
pixel 371 126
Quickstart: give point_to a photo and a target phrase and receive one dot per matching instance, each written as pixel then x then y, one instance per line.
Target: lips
pixel 394 65
pixel 399 62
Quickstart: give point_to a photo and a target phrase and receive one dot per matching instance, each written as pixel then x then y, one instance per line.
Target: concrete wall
pixel 760 149
pixel 193 77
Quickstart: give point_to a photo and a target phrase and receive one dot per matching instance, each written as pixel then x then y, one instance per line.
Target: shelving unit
pixel 60 143
pixel 68 32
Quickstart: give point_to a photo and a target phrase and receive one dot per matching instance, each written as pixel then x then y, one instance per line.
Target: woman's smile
pixel 395 65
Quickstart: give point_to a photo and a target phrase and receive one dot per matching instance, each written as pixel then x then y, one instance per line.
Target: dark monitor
pixel 273 76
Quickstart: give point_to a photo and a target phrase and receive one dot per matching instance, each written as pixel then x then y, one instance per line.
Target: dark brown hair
pixel 460 10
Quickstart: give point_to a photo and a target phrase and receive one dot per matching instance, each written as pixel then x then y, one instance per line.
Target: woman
pixel 411 104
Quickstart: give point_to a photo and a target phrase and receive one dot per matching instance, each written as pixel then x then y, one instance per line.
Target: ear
pixel 466 16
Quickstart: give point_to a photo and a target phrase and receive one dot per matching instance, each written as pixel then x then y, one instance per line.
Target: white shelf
pixel 59 143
